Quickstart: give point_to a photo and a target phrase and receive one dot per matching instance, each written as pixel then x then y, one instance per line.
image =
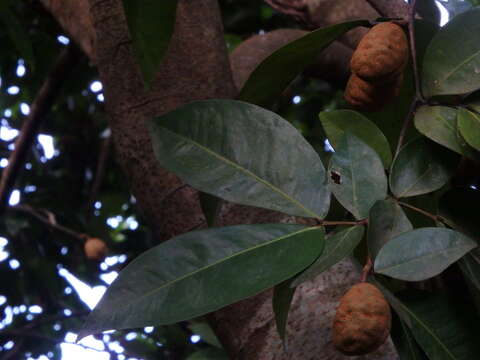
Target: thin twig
pixel 366 270
pixel 34 213
pixel 413 48
pixel 335 223
pixel 418 98
pixel 97 182
pixel 406 125
pixel 40 107
pixel 423 212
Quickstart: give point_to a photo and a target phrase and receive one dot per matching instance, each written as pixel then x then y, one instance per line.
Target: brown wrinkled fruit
pixel 95 249
pixel 381 54
pixel 362 321
pixel 366 96
pixel 377 67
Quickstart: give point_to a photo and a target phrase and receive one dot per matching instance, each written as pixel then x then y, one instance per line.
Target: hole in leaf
pixel 337 179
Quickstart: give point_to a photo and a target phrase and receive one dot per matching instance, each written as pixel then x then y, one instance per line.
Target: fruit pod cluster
pixel 362 321
pixel 377 67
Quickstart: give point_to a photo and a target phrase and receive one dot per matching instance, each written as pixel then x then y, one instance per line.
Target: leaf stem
pixel 423 212
pixel 335 223
pixel 418 98
pixel 366 270
pixel 413 48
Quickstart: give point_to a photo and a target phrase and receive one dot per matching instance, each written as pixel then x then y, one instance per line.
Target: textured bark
pixel 332 64
pixel 320 13
pixel 74 17
pixel 195 67
pixel 390 8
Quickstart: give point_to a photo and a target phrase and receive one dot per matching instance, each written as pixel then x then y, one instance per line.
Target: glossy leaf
pixel 337 246
pixel 151 24
pixel 443 326
pixel 244 154
pixel 356 176
pixel 422 253
pixel 281 302
pixel 469 126
pixel 386 221
pixel 421 167
pixel 452 61
pixel 337 122
pixel 439 123
pixel 272 76
pixel 201 271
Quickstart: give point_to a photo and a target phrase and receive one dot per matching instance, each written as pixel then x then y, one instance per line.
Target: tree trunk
pixel 197 67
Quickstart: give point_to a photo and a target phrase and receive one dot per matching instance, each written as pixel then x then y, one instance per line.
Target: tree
pixel 252 167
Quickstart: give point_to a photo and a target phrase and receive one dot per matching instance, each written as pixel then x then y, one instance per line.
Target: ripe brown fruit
pixel 382 54
pixel 377 67
pixel 370 97
pixel 362 321
pixel 95 249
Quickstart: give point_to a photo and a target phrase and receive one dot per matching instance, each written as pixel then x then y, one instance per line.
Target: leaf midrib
pixel 248 173
pixel 416 259
pixel 427 329
pixel 168 283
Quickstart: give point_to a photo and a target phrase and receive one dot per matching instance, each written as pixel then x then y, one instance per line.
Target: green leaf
pixel 422 253
pixel 405 344
pixel 386 221
pixel 439 123
pixel 17 33
pixel 281 302
pixel 208 354
pixel 452 61
pixel 337 246
pixel 205 332
pixel 469 126
pixel 151 24
pixel 244 154
pixel 210 206
pixel 202 271
pixel 443 326
pixel 470 266
pixel 337 122
pixel 420 168
pixel 356 176
pixel 272 76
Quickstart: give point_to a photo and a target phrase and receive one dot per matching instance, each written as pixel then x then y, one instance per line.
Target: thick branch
pixel 195 67
pixel 74 17
pixel 40 107
pixel 390 8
